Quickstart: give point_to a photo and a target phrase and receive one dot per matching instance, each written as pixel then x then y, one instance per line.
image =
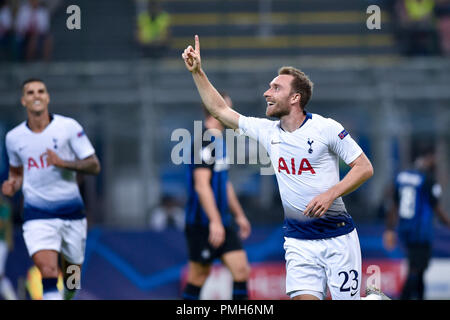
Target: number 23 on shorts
pixel 350 282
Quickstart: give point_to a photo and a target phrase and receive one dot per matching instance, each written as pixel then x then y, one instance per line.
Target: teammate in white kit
pixel 321 243
pixel 45 152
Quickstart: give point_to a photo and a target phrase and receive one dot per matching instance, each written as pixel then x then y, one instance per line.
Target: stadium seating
pixel 283 27
pixel 230 28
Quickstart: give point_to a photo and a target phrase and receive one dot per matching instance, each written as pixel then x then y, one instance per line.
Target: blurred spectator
pixel 6 244
pixel 6 23
pixel 443 16
pixel 32 31
pixel 167 214
pixel 152 28
pixel 417 27
pixel 416 197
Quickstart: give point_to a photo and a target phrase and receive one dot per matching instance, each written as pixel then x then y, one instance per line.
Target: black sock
pixel 420 285
pixel 49 285
pixel 191 292
pixel 240 290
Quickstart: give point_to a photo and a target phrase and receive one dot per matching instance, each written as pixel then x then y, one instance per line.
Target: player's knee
pixel 48 271
pixel 242 272
pixel 198 274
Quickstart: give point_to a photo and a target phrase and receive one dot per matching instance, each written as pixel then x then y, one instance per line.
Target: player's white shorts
pixel 65 236
pixel 3 256
pixel 311 265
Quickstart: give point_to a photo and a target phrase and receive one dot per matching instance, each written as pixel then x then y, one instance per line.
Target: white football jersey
pixel 49 192
pixel 306 164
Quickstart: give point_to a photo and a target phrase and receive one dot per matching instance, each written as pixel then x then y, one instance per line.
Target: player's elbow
pixel 368 171
pixel 96 167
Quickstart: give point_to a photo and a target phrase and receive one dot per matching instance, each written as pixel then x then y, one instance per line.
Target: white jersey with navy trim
pixel 306 164
pixel 49 192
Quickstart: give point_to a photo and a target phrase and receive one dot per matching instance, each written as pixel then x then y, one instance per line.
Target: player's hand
pixel 8 187
pixel 244 227
pixel 53 159
pixel 191 57
pixel 319 205
pixel 389 240
pixel 216 234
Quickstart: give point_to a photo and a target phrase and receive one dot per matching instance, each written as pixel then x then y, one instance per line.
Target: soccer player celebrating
pixel 321 242
pixel 210 229
pixel 45 152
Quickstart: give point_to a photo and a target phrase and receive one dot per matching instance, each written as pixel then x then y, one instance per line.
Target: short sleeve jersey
pixel 306 164
pixel 49 191
pixel 416 194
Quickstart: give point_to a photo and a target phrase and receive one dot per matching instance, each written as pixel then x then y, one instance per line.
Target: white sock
pixel 7 290
pixel 372 297
pixel 52 295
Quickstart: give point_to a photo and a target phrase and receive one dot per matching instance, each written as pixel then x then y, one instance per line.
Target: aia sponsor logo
pixel 292 168
pixel 40 163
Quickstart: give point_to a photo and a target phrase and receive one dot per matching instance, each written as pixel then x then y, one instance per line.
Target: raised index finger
pixel 197 44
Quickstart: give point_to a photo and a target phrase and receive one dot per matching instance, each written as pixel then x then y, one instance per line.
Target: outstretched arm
pixel 211 98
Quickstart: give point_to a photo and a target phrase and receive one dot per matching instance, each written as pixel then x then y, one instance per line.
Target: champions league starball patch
pixel 343 134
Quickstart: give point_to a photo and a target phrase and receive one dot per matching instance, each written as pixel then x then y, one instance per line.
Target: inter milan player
pixel 416 197
pixel 215 220
pixel 321 242
pixel 45 153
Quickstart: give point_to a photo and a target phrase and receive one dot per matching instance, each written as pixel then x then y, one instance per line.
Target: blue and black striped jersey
pixel 211 155
pixel 416 194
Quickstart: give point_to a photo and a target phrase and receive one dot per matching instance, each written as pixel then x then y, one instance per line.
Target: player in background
pixel 416 197
pixel 321 242
pixel 210 228
pixel 6 244
pixel 45 153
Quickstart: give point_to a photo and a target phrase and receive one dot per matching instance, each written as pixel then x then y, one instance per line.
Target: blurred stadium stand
pixel 107 31
pixel 282 27
pixel 229 28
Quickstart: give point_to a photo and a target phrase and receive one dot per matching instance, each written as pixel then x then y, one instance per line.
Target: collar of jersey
pixel 308 116
pixel 51 119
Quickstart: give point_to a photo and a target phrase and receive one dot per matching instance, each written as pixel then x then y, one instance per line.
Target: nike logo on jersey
pixel 275 142
pixel 21 148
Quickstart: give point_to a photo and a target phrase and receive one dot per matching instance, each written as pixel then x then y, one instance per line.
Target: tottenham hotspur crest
pixel 310 150
pixel 55 143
